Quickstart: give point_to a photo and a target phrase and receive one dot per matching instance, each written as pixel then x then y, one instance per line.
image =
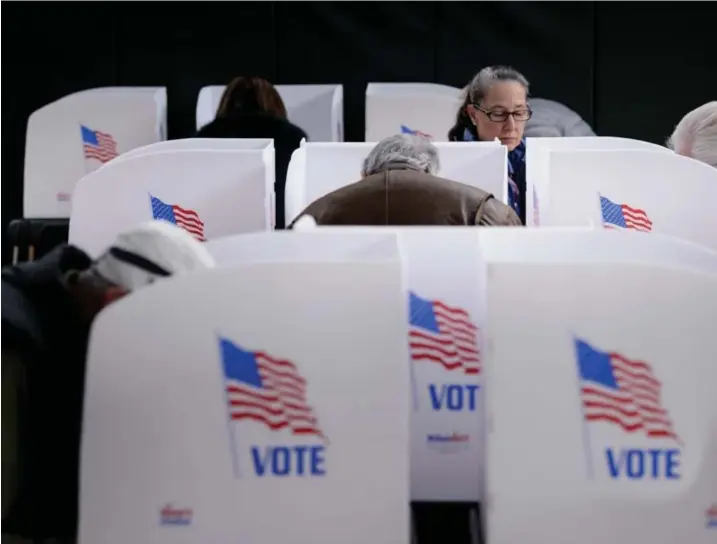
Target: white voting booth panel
pixel 317 169
pixel 229 144
pixel 644 190
pixel 75 135
pixel 318 109
pixel 285 246
pixel 601 404
pixel 430 109
pixel 443 274
pixel 427 109
pixel 537 164
pixel 159 94
pixel 274 409
pixel 209 193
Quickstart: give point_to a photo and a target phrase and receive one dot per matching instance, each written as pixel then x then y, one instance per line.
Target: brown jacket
pixel 409 197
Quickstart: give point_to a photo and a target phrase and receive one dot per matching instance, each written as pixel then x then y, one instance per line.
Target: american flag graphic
pixel 182 217
pixel 98 145
pixel 442 334
pixel 622 216
pixel 266 389
pixel 621 391
pixel 407 130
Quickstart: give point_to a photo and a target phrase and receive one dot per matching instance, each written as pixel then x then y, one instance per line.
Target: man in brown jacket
pixel 399 188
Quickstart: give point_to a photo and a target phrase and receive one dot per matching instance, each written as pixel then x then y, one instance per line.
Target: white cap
pixel 305 222
pixel 152 251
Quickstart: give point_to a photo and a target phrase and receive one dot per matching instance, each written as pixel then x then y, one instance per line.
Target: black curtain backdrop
pixel 630 69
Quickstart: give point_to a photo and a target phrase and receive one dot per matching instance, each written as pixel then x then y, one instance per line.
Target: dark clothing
pixel 408 197
pixel 286 136
pixel 46 335
pixel 517 185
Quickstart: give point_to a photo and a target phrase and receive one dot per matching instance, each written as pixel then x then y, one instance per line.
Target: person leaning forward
pixel 48 307
pixel 399 187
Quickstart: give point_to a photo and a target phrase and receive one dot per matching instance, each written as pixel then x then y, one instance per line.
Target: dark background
pixel 630 69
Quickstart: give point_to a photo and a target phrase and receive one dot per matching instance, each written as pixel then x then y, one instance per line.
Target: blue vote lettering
pixel 639 464
pixel 455 398
pixel 289 460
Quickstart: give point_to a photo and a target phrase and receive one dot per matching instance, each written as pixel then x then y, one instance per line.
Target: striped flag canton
pixel 182 217
pixel 444 335
pixel 268 390
pixel 623 216
pixel 98 145
pixel 622 392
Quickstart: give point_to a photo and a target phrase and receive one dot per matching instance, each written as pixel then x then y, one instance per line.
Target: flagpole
pixel 587 444
pixel 230 423
pixel 602 217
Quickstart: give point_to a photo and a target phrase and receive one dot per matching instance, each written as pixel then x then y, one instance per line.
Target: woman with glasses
pixel 496 106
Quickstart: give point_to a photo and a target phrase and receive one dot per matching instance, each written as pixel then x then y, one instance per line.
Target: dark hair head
pixel 251 95
pixel 475 92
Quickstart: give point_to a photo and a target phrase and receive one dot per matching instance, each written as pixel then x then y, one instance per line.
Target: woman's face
pixel 493 118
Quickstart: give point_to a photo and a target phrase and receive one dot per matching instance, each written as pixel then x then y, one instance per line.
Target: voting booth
pixel 317 169
pixel 426 109
pixel 78 133
pixel 635 190
pixel 429 109
pixel 210 193
pixel 442 269
pixel 218 144
pixel 290 246
pixel 537 169
pixel 211 426
pixel 317 109
pixel 600 403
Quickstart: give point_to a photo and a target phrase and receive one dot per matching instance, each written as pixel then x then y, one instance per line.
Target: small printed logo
pixel 407 130
pixel 447 443
pixel 169 515
pixel 63 197
pixel 711 514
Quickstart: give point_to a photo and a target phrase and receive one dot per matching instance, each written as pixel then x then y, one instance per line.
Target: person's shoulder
pixel 221 127
pixel 20 321
pixel 338 197
pixel 289 130
pixel 36 283
pixel 495 213
pixel 422 180
pixel 254 125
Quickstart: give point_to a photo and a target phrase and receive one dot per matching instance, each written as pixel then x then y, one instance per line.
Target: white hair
pixel 402 151
pixel 696 134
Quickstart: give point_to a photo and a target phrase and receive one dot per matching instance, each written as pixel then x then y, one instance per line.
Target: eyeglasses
pixel 502 116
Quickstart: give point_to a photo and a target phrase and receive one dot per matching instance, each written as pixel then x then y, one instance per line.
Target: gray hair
pixel 487 77
pixel 696 134
pixel 475 92
pixel 402 151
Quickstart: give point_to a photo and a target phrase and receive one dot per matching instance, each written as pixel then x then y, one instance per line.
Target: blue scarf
pixel 516 168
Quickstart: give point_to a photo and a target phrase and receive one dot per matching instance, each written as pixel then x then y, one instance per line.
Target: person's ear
pixel 113 293
pixel 472 112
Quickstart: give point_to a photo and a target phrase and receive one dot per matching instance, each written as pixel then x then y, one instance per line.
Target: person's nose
pixel 510 123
